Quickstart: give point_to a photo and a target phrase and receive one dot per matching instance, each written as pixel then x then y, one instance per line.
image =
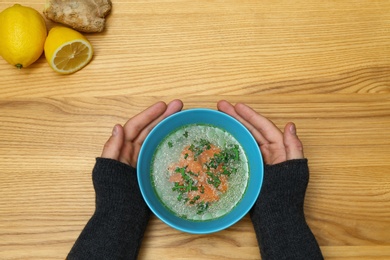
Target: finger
pixel 294 147
pixel 173 107
pixel 135 125
pixel 268 132
pixel 229 109
pixel 113 146
pixel 226 107
pixel 132 146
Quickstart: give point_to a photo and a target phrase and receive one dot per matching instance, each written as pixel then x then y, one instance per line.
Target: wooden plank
pixel 324 65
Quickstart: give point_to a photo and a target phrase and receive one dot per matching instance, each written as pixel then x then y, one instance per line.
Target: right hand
pixel 276 146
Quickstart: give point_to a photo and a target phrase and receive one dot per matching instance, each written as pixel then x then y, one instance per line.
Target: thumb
pixel 294 148
pixel 113 146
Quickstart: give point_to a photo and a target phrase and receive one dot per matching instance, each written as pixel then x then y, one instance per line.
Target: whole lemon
pixel 22 35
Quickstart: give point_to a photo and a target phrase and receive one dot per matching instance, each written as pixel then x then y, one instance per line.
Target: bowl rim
pixel 213 225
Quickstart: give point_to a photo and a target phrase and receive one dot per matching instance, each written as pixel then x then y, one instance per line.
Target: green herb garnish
pixel 202 207
pixel 222 163
pixel 213 179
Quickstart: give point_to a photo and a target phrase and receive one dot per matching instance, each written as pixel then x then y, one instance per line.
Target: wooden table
pixel 323 64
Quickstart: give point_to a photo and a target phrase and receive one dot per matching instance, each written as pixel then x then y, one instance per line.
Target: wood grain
pixel 324 65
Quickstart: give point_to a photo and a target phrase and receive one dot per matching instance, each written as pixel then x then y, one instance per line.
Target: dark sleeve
pixel 278 217
pixel 116 228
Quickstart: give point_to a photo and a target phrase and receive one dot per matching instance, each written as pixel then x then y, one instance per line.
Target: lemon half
pixel 67 50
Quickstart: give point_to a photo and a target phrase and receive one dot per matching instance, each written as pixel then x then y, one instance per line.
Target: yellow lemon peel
pixel 22 33
pixel 67 50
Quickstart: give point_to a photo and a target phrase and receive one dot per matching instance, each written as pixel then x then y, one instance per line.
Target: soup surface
pixel 200 172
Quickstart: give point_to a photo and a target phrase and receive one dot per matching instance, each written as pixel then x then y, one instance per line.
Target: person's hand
pixel 125 142
pixel 275 146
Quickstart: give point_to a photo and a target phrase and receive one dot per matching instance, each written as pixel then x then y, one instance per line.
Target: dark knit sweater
pixel 116 229
pixel 277 216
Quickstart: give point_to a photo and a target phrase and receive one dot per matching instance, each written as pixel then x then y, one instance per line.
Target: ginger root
pixel 81 15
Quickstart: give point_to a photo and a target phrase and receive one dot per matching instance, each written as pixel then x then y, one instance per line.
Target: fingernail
pixel 115 130
pixel 293 130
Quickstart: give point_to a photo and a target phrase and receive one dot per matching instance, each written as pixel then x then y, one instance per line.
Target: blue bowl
pixel 213 118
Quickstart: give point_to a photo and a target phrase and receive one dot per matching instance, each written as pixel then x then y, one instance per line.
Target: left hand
pixel 125 142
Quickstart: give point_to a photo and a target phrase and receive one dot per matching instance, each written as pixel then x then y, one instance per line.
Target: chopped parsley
pixel 191 189
pixel 202 207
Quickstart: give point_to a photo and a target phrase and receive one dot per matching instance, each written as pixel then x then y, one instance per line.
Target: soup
pixel 199 172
